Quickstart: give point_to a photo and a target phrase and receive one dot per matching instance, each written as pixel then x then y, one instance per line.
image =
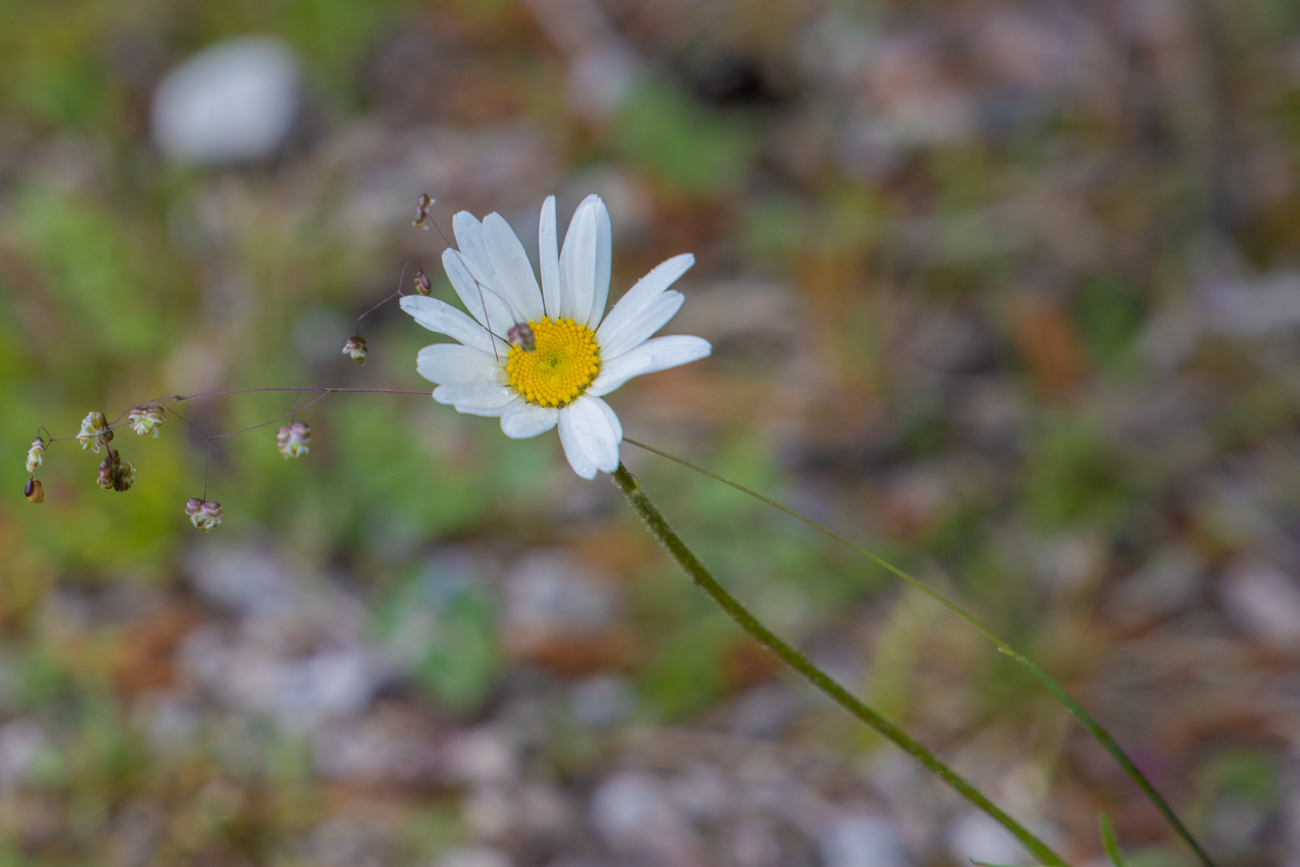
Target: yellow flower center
pixel 562 365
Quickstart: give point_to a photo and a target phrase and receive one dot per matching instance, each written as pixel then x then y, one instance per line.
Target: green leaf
pixel 1109 842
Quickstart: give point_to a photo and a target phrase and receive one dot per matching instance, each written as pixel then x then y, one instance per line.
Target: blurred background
pixel 1007 290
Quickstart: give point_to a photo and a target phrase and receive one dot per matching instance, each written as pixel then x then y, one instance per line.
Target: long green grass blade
pixel 1094 728
pixel 1109 842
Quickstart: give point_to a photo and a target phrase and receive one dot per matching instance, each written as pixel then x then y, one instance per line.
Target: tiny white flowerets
pixel 570 354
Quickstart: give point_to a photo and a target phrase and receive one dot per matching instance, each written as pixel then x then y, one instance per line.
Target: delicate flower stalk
pixel 203 514
pixel 35 455
pixel 34 491
pixel 1100 734
pixel 293 440
pixel 94 433
pixel 355 348
pixel 636 496
pixel 145 419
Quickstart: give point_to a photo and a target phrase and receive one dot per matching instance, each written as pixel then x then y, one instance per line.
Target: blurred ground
pixel 1010 290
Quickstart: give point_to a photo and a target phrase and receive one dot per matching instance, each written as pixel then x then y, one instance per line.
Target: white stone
pixel 233 101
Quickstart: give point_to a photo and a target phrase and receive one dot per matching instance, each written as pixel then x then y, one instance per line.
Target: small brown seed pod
pixel 34 491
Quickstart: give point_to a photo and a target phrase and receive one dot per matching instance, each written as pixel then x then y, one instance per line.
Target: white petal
pixel 524 420
pixel 451 363
pixel 604 259
pixel 469 237
pixel 654 355
pixel 589 427
pixel 548 251
pixel 441 317
pixel 646 290
pixel 573 450
pixel 650 319
pixel 489 400
pixel 480 300
pixel 578 265
pixel 514 272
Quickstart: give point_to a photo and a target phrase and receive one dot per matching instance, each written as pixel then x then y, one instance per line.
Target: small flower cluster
pixel 35 455
pixel 203 514
pixel 145 419
pixel 293 440
pixel 116 474
pixel 356 349
pixel 95 433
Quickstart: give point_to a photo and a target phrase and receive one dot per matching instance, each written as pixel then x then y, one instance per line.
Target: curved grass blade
pixel 636 496
pixel 1094 728
pixel 1109 842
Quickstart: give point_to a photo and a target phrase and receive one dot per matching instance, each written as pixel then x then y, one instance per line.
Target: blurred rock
pixel 973 836
pixel 634 813
pixel 765 709
pixel 754 843
pixel 387 745
pixel 236 100
pixel 603 700
pixel 21 741
pixel 1163 585
pixel 480 756
pixel 862 840
pixel 474 856
pixel 560 613
pixel 1264 602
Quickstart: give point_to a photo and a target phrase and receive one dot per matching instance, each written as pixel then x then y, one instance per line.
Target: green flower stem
pixel 1094 728
pixel 791 657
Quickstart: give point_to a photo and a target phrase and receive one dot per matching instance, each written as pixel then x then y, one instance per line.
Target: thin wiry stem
pixel 1076 710
pixel 687 560
pixel 171 400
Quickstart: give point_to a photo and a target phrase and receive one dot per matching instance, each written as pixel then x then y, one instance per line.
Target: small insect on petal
pixel 522 336
pixel 422 284
pixel 356 349
pixel 422 206
pixel 34 491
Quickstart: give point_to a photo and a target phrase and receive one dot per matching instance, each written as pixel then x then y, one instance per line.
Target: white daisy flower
pixel 539 357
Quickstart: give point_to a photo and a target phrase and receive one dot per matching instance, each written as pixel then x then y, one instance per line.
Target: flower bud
pixel 94 432
pixel 35 455
pixel 521 335
pixel 145 419
pixel 116 474
pixel 422 284
pixel 34 491
pixel 293 439
pixel 203 514
pixel 125 477
pixel 108 469
pixel 422 206
pixel 356 347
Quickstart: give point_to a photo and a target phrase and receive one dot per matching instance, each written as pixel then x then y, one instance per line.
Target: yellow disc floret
pixel 562 364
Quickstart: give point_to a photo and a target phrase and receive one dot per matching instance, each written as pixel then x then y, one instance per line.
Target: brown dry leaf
pixel 1050 346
